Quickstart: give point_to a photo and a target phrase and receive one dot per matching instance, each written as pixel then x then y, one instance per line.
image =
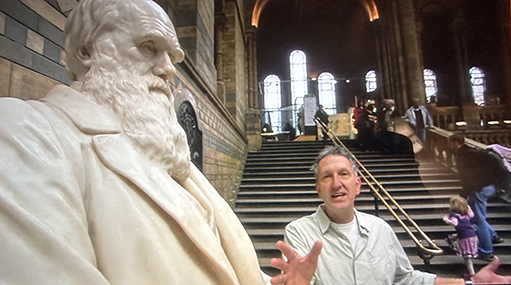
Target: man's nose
pixel 163 67
pixel 338 181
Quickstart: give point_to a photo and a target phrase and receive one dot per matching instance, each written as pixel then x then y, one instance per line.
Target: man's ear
pixel 359 185
pixel 84 55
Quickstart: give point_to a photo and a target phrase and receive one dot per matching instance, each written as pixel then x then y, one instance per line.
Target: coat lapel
pixel 120 156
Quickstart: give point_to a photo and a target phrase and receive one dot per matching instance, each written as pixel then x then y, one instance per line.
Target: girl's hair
pixel 458 205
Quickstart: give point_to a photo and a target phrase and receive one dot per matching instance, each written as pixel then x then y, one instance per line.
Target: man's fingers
pixel 286 250
pixel 279 279
pixel 278 263
pixel 315 251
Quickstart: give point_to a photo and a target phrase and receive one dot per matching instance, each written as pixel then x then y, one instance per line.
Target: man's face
pixel 338 186
pixel 452 145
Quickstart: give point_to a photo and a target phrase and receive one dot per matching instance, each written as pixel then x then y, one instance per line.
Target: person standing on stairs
pixel 321 118
pixel 479 172
pixel 460 217
pixel 419 119
pixel 340 245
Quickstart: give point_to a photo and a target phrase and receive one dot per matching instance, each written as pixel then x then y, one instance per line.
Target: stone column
pixel 253 115
pixel 386 54
pixel 460 46
pixel 219 55
pixel 396 58
pixel 383 69
pixel 422 99
pixel 469 111
pixel 253 91
pixel 412 61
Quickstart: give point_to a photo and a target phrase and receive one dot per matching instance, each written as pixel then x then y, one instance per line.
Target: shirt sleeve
pixel 405 274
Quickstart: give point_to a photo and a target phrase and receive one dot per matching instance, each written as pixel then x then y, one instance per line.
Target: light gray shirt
pixel 377 258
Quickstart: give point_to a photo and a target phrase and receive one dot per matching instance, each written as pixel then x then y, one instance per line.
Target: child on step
pixel 460 217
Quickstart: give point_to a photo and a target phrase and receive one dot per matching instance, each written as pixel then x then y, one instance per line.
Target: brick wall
pixel 30 48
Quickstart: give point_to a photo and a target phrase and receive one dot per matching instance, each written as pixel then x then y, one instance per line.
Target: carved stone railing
pixel 493 113
pixel 446 117
pixel 502 137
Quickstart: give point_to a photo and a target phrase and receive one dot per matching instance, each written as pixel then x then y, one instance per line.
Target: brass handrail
pixel 425 253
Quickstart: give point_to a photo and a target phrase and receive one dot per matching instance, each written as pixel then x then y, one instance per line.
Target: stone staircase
pixel 278 187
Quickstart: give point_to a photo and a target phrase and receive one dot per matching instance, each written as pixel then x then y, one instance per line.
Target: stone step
pixel 364 190
pixel 307 172
pixel 380 177
pixel 500 228
pixel 292 202
pixel 419 218
pixel 386 184
pixel 269 212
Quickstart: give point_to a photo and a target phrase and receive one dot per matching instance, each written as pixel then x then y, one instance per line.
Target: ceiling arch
pixel 369 6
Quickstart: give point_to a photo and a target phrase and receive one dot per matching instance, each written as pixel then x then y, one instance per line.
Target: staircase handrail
pixel 426 253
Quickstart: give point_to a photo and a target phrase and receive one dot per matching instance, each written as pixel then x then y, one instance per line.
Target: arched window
pixel 326 87
pixel 430 83
pixel 298 69
pixel 370 81
pixel 272 101
pixel 478 85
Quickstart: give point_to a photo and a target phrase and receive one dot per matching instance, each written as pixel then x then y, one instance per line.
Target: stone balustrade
pixel 446 117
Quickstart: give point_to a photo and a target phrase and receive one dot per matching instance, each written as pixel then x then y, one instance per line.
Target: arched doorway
pixel 188 120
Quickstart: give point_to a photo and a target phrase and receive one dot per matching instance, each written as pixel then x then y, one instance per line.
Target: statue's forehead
pixel 154 19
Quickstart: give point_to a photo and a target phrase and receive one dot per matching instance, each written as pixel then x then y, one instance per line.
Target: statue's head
pixel 123 53
pixel 98 26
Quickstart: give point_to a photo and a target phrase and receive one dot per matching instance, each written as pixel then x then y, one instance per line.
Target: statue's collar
pixel 89 117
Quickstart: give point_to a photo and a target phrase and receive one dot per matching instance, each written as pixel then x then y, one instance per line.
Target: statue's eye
pixel 149 46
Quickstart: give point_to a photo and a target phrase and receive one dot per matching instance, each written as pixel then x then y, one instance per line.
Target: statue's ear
pixel 84 55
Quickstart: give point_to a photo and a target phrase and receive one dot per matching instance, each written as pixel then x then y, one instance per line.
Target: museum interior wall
pixel 217 94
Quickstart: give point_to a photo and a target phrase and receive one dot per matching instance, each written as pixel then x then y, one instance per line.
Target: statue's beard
pixel 146 113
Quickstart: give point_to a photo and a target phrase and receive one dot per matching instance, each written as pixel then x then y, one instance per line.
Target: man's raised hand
pixel 297 270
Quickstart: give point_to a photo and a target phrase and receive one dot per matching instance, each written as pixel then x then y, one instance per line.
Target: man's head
pixel 415 103
pixel 337 183
pixel 124 51
pixel 389 103
pixel 455 141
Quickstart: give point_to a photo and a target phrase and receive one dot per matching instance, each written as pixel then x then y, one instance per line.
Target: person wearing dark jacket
pixel 365 127
pixel 321 117
pixel 479 173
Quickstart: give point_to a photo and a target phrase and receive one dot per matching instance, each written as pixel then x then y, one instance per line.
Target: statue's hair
pixel 334 150
pixel 92 18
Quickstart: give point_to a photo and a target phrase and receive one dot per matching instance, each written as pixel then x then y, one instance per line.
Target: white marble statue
pixel 96 185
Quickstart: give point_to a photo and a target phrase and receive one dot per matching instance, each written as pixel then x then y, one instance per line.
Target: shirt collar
pixel 324 222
